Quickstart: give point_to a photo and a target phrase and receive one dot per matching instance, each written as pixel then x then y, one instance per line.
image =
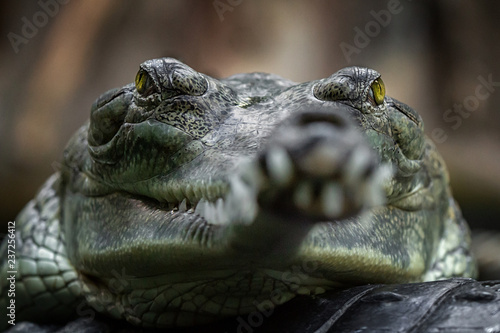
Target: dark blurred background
pixel 441 57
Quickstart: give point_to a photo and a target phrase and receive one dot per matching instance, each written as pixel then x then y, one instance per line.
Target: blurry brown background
pixel 56 59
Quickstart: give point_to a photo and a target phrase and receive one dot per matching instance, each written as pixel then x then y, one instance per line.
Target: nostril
pixel 332 118
pixel 107 115
pixel 105 98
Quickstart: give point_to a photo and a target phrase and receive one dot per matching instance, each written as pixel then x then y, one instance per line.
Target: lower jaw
pixel 197 302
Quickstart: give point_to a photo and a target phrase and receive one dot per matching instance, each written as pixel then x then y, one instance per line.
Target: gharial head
pixel 209 190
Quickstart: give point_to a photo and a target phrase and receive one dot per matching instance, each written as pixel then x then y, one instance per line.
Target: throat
pixel 167 301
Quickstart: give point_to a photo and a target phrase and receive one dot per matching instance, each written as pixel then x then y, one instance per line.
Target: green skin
pixel 186 199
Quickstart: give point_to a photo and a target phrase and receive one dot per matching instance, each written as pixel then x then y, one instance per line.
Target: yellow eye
pixel 141 80
pixel 378 90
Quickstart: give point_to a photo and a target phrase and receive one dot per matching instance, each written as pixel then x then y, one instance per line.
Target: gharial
pixel 186 199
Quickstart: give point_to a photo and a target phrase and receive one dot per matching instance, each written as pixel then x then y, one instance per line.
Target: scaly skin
pixel 186 199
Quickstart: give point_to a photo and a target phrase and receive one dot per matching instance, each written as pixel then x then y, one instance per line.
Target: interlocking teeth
pixel 197 197
pixel 213 212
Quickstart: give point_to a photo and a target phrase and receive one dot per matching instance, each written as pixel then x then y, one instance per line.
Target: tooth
pixel 216 219
pixel 260 178
pixel 178 194
pixel 239 190
pixel 207 189
pixel 357 164
pixel 332 200
pixel 303 291
pixel 194 204
pixel 198 210
pixel 221 189
pixel 322 160
pixel 210 212
pixel 221 214
pixel 183 206
pixel 189 192
pixel 211 195
pixel 319 290
pixel 194 189
pixel 175 192
pixel 200 207
pixel 207 211
pixel 217 213
pixel 253 175
pixel 279 165
pixel 202 188
pixel 303 195
pixel 375 195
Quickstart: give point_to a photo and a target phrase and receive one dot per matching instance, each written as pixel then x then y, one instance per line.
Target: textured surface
pixel 457 305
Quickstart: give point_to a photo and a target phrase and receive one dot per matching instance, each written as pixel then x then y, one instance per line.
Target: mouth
pixel 205 198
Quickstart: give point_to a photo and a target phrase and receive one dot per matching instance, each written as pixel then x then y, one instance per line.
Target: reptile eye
pixel 377 91
pixel 143 83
